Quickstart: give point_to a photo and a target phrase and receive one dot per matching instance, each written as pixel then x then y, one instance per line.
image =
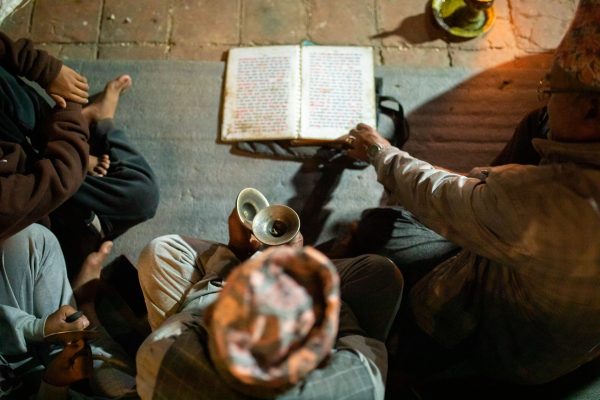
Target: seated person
pixel 119 190
pixel 44 153
pixel 502 266
pixel 225 326
pixel 35 300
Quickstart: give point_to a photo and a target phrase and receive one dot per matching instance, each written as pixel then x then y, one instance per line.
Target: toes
pixel 106 247
pixel 122 82
pixel 97 258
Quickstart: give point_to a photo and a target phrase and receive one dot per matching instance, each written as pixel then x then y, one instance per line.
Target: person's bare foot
pixel 98 166
pixel 105 104
pixel 85 284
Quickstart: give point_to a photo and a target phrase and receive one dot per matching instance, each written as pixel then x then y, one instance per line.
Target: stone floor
pixel 402 31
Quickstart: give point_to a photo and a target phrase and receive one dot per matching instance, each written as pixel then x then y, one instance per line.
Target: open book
pixel 315 93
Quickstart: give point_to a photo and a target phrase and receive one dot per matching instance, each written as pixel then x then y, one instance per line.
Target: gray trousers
pixel 395 233
pixel 416 250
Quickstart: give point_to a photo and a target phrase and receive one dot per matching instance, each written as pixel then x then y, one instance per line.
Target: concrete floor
pixel 401 31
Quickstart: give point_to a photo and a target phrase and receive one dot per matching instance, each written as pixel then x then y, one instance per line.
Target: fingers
pixel 59 100
pixel 362 127
pixel 66 310
pixel 255 244
pixel 57 321
pixel 232 214
pixel 77 95
pixel 80 324
pixel 81 362
pixel 77 98
pixel 73 347
pixel 348 141
pixel 74 75
pixel 79 357
pixel 80 93
pixel 70 86
pixel 82 85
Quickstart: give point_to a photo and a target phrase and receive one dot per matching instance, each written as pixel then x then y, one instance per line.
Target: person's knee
pixel 141 200
pixel 152 257
pixel 35 246
pixel 137 197
pixel 384 273
pixel 34 238
pixel 376 227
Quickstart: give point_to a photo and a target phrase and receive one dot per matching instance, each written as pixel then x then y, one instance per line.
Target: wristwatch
pixel 373 150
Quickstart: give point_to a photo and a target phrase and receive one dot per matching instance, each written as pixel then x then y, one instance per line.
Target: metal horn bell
pixel 276 224
pixel 248 204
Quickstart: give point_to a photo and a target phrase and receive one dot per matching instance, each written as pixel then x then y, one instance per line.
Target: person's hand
pixel 57 321
pixel 241 240
pixel 73 364
pixel 98 166
pixel 359 139
pixel 68 86
pixel 297 242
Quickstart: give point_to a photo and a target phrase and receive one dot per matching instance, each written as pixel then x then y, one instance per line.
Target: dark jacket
pixel 35 179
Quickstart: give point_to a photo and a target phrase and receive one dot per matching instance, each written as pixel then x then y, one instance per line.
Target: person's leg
pixel 33 277
pixel 371 286
pixel 113 370
pixel 128 194
pixel 396 234
pixel 33 285
pixel 166 269
pixel 106 206
pixel 416 250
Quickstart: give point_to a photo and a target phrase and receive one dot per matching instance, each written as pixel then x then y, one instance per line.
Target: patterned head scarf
pixel 275 320
pixel 579 51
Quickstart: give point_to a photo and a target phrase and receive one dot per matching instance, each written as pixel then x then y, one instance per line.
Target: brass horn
pixel 248 203
pixel 276 224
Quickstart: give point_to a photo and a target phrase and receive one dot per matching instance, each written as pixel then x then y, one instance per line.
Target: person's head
pixel 574 80
pixel 275 320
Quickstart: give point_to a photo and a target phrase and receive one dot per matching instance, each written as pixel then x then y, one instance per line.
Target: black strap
pixel 390 106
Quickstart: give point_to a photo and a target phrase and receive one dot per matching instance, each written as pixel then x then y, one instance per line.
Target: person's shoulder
pixel 517 174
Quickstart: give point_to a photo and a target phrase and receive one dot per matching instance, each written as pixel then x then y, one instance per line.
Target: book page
pixel 338 90
pixel 262 93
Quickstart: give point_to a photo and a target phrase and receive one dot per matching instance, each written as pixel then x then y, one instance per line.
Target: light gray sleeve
pixel 17 327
